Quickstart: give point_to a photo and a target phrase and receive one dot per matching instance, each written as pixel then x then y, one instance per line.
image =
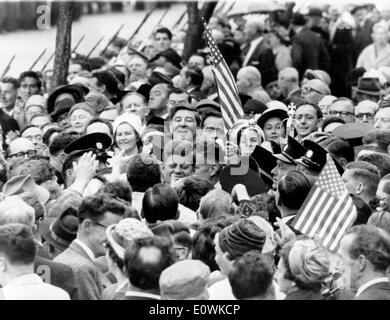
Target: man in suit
pixel 365 250
pixel 96 213
pixel 15 210
pixel 257 52
pixel 308 49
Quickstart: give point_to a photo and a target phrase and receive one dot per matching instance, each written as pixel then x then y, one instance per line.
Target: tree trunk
pixel 63 43
pixel 195 25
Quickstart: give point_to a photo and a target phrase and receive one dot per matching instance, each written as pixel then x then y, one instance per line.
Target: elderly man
pixel 343 108
pixel 137 66
pixel 365 111
pixel 257 53
pixel 365 250
pixel 382 119
pixel 288 82
pixel 249 83
pixel 209 87
pixel 314 90
pixel 19 149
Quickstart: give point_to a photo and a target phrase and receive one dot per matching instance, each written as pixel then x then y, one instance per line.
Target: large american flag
pixel 328 210
pixel 226 85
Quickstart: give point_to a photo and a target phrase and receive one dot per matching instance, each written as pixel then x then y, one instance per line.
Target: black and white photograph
pixel 205 150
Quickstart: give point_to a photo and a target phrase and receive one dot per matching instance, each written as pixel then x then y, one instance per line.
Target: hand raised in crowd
pixel 232 153
pixel 286 233
pixel 85 168
pixel 11 135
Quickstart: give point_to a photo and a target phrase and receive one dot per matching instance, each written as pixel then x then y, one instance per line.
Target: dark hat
pixel 205 103
pixel 61 107
pixel 136 52
pixel 315 156
pixel 298 19
pixel 253 106
pixel 78 91
pixel 292 151
pixel 97 141
pixel 371 86
pixel 353 132
pixel 250 179
pixel 266 162
pixel 60 231
pixel 158 77
pixel 315 12
pixel 354 74
pixel 171 55
pixel 241 237
pixel 358 7
pixel 277 113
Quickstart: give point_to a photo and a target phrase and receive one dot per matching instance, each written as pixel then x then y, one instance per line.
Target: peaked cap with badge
pixel 292 151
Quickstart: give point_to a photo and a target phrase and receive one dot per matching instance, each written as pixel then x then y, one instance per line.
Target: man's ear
pixel 360 188
pixel 213 170
pixel 343 162
pixel 362 263
pixel 320 122
pixel 86 226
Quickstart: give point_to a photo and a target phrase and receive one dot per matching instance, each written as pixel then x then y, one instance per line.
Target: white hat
pixel 35 100
pixel 131 119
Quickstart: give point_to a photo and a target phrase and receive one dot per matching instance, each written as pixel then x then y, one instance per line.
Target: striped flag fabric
pixel 328 210
pixel 227 89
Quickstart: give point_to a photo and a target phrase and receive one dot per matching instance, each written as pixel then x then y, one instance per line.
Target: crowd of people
pixel 121 184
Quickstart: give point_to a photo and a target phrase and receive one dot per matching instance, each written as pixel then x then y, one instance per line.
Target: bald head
pixel 254 27
pixel 290 74
pixel 248 78
pixel 20 145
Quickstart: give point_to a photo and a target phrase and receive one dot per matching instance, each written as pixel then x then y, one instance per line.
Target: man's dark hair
pixel 251 275
pixel 380 160
pixel 48 134
pixel 196 75
pixel 316 108
pixel 108 79
pixel 339 147
pixel 164 30
pixel 210 113
pixel 293 188
pixel 61 141
pixel 160 203
pixel 119 75
pixel 191 191
pixel 146 259
pixel 15 83
pixel 363 165
pixel 143 172
pixel 83 64
pixel 94 207
pixel 203 247
pixel 379 137
pixel 17 243
pixel 31 74
pixel 121 190
pixel 178 91
pixel 373 243
pixel 178 107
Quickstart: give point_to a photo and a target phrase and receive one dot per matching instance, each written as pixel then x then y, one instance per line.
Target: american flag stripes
pixel 328 210
pixel 227 88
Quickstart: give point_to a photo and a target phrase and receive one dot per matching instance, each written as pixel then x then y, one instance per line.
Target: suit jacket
pixel 378 291
pixel 88 275
pixel 305 295
pixel 309 52
pixel 263 59
pixel 56 274
pixel 7 123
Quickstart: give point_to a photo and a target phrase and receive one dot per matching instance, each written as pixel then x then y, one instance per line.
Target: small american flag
pixel 328 210
pixel 227 88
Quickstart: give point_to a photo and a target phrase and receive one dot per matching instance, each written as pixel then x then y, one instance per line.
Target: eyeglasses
pixel 342 114
pixel 369 116
pixel 29 154
pixel 307 90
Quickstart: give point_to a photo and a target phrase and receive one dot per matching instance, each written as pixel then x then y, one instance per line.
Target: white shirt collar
pixel 87 250
pixel 142 295
pixel 369 284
